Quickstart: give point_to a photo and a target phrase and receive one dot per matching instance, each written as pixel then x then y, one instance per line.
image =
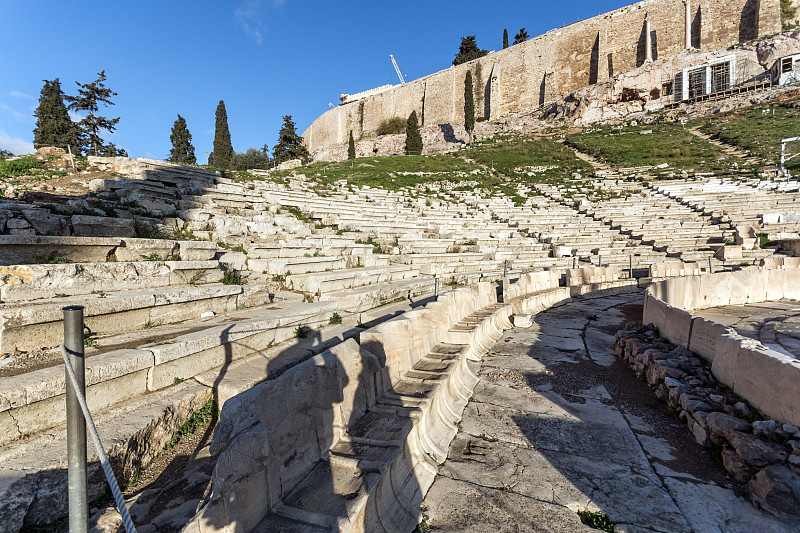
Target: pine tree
pixel 469 106
pixel 182 151
pixel 53 125
pixel 505 39
pixel 521 37
pixel 351 147
pixel 290 144
pixel 468 50
pixel 223 149
pixel 413 136
pixel 90 96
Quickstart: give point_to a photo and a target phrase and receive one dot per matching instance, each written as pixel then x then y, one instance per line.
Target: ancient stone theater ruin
pixel 585 319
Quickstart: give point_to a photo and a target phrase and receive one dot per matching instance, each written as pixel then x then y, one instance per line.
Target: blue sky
pixel 264 58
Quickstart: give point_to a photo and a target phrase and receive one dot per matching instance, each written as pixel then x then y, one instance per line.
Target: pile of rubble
pixel 764 455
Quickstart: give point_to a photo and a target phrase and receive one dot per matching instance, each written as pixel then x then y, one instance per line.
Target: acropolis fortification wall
pixel 525 76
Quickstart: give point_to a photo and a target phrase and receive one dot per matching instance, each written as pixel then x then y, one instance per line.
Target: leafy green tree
pixel 223 149
pixel 469 106
pixel 351 147
pixel 182 151
pixel 53 125
pixel 290 144
pixel 505 39
pixel 252 158
pixel 521 37
pixel 413 136
pixel 90 97
pixel 468 50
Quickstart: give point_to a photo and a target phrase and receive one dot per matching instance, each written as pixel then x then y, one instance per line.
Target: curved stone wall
pixel 769 380
pixel 351 439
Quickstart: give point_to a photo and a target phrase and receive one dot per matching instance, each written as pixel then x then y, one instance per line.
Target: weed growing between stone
pixel 336 319
pixel 199 418
pixel 597 520
pixel 233 277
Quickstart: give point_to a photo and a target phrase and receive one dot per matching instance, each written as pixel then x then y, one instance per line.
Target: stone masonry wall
pixel 524 77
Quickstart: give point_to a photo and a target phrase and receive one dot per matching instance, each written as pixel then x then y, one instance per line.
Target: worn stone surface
pixel 552 430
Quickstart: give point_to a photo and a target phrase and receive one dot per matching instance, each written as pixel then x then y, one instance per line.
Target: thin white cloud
pixel 249 16
pixel 17 115
pixel 15 145
pixel 18 94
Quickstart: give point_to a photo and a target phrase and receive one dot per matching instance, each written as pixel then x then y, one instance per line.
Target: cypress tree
pixel 182 150
pixel 469 106
pixel 413 136
pixel 90 96
pixel 53 125
pixel 505 39
pixel 290 144
pixel 521 37
pixel 351 147
pixel 223 149
pixel 468 50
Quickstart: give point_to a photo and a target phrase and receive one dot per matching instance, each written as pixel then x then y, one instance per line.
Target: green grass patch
pixel 52 258
pixel 232 277
pixel 512 156
pixel 668 143
pixel 759 130
pixel 597 520
pixel 386 172
pixel 199 418
pixel 19 167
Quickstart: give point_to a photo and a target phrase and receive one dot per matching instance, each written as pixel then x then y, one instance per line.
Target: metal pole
pixel 436 288
pixel 710 270
pixel 505 268
pixel 76 425
pixel 630 266
pixel 599 260
pixel 574 262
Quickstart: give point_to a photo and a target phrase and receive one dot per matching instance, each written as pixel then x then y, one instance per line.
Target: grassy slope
pixel 759 129
pixel 668 143
pixel 498 164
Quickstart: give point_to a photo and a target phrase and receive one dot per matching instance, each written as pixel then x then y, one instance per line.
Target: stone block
pixel 677 325
pixel 757 366
pixel 92 226
pixel 38 416
pixel 140 249
pixel 704 337
pixel 197 250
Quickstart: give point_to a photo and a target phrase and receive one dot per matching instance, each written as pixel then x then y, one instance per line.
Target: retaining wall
pixel 769 380
pixel 525 76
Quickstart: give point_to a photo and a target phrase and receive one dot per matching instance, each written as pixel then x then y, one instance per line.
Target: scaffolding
pixel 720 77
pixel 697 82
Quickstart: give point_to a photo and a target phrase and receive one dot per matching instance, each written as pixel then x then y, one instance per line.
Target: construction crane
pixel 397 69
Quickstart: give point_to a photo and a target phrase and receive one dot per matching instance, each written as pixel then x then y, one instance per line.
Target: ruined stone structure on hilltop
pixel 526 76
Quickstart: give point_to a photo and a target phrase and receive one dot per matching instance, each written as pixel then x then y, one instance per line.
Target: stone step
pixel 40 325
pixel 23 249
pixel 361 299
pixel 30 402
pixel 336 280
pixel 32 282
pixel 297 265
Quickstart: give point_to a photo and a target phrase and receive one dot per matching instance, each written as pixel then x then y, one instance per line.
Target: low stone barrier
pixel 598 280
pixel 769 380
